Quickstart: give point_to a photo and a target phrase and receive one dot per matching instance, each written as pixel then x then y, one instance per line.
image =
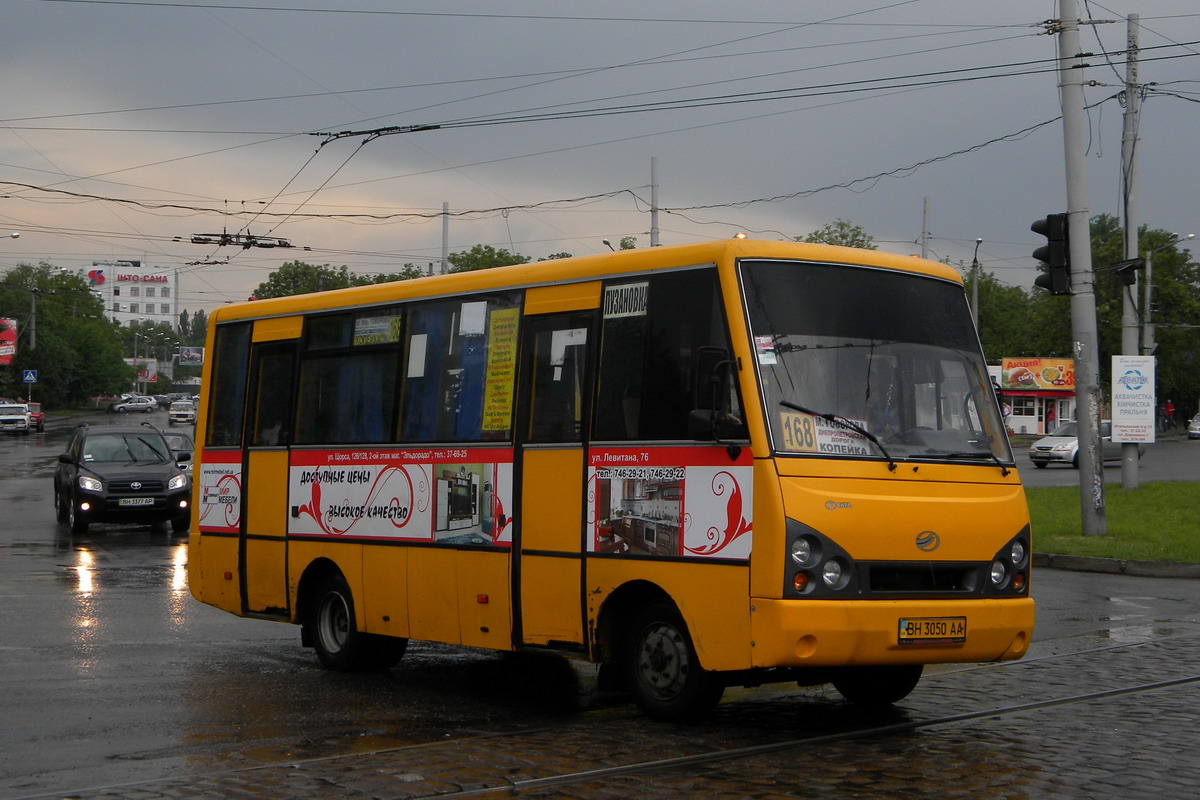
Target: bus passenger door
pixel 262 548
pixel 551 422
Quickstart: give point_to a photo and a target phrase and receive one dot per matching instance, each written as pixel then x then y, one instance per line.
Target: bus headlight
pixel 999 573
pixel 834 573
pixel 1016 553
pixel 806 551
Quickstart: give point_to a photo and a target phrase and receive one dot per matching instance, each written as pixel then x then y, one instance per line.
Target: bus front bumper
pixel 823 633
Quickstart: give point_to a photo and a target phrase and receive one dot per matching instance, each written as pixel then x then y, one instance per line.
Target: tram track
pixel 546 782
pixel 412 766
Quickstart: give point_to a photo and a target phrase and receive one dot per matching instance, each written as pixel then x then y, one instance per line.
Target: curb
pixel 1117 566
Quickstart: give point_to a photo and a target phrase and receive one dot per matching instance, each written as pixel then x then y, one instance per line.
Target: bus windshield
pixel 893 354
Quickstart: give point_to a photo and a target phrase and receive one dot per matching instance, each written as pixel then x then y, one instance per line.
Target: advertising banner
pixel 1031 374
pixel 191 356
pixel 147 369
pixel 675 502
pixel 460 496
pixel 1133 399
pixel 8 340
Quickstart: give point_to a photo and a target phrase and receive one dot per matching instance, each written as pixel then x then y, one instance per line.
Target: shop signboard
pixel 1037 374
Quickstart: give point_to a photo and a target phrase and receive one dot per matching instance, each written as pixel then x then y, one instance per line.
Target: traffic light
pixel 1055 254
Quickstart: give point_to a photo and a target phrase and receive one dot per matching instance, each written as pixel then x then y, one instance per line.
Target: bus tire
pixel 339 644
pixel 662 670
pixel 880 685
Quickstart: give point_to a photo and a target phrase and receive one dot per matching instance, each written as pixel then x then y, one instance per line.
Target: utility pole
pixel 975 285
pixel 925 228
pixel 445 237
pixel 654 201
pixel 1129 320
pixel 1083 298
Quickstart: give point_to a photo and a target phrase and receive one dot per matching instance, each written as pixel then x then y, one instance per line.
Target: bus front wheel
pixel 336 638
pixel 662 670
pixel 877 685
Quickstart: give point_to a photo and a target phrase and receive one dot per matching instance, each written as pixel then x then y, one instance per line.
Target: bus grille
pixel 928 578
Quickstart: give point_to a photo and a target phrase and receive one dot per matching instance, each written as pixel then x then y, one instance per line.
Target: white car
pixel 1062 446
pixel 15 418
pixel 182 413
pixel 1194 427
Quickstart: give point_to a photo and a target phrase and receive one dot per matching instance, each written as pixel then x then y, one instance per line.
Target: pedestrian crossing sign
pixel 31 376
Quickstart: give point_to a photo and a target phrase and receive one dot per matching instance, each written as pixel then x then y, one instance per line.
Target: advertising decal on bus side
pixel 453 496
pixel 670 501
pixel 221 492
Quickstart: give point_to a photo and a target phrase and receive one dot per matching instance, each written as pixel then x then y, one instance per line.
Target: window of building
pixel 166 292
pixel 1023 406
pixel 134 308
pixel 149 291
pixel 116 306
pixel 165 308
pixel 134 291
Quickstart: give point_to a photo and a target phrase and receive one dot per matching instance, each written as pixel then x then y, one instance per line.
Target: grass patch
pixel 1156 522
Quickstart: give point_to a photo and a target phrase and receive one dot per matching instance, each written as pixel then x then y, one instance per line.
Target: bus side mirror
pixel 713 419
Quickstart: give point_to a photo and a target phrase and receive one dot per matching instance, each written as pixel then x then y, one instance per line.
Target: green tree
pixel 297 277
pixel 840 232
pixel 63 334
pixel 199 328
pixel 484 256
pixel 628 243
pixel 555 256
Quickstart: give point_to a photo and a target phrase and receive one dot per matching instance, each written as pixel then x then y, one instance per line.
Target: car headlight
pixel 90 484
pixel 177 482
pixel 1062 448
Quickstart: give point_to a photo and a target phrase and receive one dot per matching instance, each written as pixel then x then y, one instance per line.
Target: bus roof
pixel 577 269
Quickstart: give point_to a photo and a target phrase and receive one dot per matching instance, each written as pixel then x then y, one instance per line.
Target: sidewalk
pixel 1117 566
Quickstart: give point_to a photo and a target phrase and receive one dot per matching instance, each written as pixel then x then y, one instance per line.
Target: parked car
pixel 122 473
pixel 1061 446
pixel 15 418
pixel 182 412
pixel 135 403
pixel 1194 427
pixel 37 417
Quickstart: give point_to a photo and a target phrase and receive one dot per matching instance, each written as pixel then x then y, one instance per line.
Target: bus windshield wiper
pixel 986 455
pixel 848 425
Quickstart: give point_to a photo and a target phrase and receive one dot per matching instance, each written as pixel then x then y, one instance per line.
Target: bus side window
pixel 229 375
pixel 272 401
pixel 460 363
pixel 652 332
pixel 560 365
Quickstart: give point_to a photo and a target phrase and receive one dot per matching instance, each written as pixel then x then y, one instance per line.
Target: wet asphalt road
pixel 115 683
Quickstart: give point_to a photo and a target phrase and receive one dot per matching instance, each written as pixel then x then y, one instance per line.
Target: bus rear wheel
pixel 662 670
pixel 336 638
pixel 877 685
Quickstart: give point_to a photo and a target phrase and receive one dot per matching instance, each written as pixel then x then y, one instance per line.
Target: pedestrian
pixel 1169 411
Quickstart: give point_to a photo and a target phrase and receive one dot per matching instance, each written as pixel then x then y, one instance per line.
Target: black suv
pixel 122 473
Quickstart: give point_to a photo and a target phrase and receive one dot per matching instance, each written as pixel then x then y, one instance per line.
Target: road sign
pixel 31 376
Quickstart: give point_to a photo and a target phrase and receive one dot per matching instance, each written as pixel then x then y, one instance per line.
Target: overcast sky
pixel 124 125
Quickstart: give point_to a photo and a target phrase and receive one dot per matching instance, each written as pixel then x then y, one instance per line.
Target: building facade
pixel 133 293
